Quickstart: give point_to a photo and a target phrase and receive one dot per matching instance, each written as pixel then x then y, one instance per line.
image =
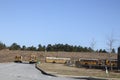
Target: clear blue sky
pixel 75 22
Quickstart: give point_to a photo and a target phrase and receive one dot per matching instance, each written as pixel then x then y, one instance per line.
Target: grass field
pixel 61 69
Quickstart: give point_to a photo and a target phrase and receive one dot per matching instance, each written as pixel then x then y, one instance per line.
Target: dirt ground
pixel 61 69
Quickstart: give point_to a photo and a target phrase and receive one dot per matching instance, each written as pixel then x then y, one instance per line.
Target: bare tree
pixel 92 44
pixel 110 43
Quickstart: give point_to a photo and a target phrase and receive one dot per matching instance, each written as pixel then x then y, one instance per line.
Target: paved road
pixel 16 71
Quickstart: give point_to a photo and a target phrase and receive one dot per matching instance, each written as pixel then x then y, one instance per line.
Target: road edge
pixel 43 72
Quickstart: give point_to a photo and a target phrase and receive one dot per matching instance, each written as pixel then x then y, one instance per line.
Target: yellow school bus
pixel 112 63
pixel 18 58
pixel 33 59
pixel 56 60
pixel 89 62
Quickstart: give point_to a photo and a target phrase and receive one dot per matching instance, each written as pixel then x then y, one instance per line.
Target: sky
pixel 74 22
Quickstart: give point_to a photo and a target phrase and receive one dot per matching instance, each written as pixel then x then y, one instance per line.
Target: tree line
pixel 50 47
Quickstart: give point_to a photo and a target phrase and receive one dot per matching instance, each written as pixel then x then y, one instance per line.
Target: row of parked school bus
pixel 81 62
pixel 19 59
pixel 97 63
pixel 84 62
pixel 87 62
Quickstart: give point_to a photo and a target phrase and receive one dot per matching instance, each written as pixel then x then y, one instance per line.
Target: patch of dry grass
pixel 61 69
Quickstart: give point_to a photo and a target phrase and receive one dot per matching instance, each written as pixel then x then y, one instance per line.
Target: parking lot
pixel 17 71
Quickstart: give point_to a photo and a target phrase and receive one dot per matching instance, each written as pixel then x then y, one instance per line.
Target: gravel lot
pixel 16 71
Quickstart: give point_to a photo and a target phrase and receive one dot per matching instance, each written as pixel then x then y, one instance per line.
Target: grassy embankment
pixel 61 69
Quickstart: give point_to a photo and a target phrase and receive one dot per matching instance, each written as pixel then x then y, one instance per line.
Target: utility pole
pixel 118 62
